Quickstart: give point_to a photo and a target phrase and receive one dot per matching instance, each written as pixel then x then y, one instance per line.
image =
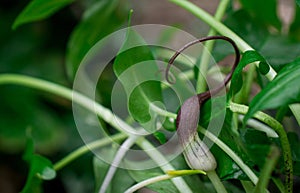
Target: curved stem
pixel 257 125
pixel 219 27
pixel 278 128
pixel 159 158
pixel 201 86
pixel 215 180
pixel 71 95
pixel 266 172
pixel 89 104
pixel 169 175
pixel 147 182
pixel 86 148
pixel 117 160
pixel 224 30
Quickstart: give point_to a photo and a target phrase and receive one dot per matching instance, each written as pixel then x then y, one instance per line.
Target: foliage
pixel 39 38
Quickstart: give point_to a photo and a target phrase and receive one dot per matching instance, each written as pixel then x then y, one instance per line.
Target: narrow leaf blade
pixel 283 90
pixel 38 10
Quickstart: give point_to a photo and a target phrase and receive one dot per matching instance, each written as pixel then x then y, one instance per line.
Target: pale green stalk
pixel 215 180
pixel 159 158
pixel 116 162
pixel 205 57
pixel 147 182
pixel 231 154
pixel 265 174
pixel 89 104
pixel 169 175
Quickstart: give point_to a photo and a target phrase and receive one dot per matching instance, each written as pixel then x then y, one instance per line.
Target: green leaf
pixel 266 11
pixel 40 169
pixel 101 19
pixel 38 10
pixel 298 2
pixel 227 168
pixel 137 71
pixel 236 81
pixel 283 90
pixel 121 180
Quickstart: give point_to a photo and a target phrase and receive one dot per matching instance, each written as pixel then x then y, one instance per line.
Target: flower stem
pixel 116 162
pixel 267 170
pixel 231 154
pixel 159 158
pixel 169 175
pixel 214 178
pixel 201 85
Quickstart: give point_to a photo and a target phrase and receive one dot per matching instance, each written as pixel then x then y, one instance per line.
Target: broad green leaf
pixel 236 81
pixel 138 72
pixel 40 168
pixel 101 19
pixel 298 2
pixel 121 180
pixel 265 11
pixel 38 10
pixel 227 168
pixel 141 98
pixel 283 90
pixel 256 145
